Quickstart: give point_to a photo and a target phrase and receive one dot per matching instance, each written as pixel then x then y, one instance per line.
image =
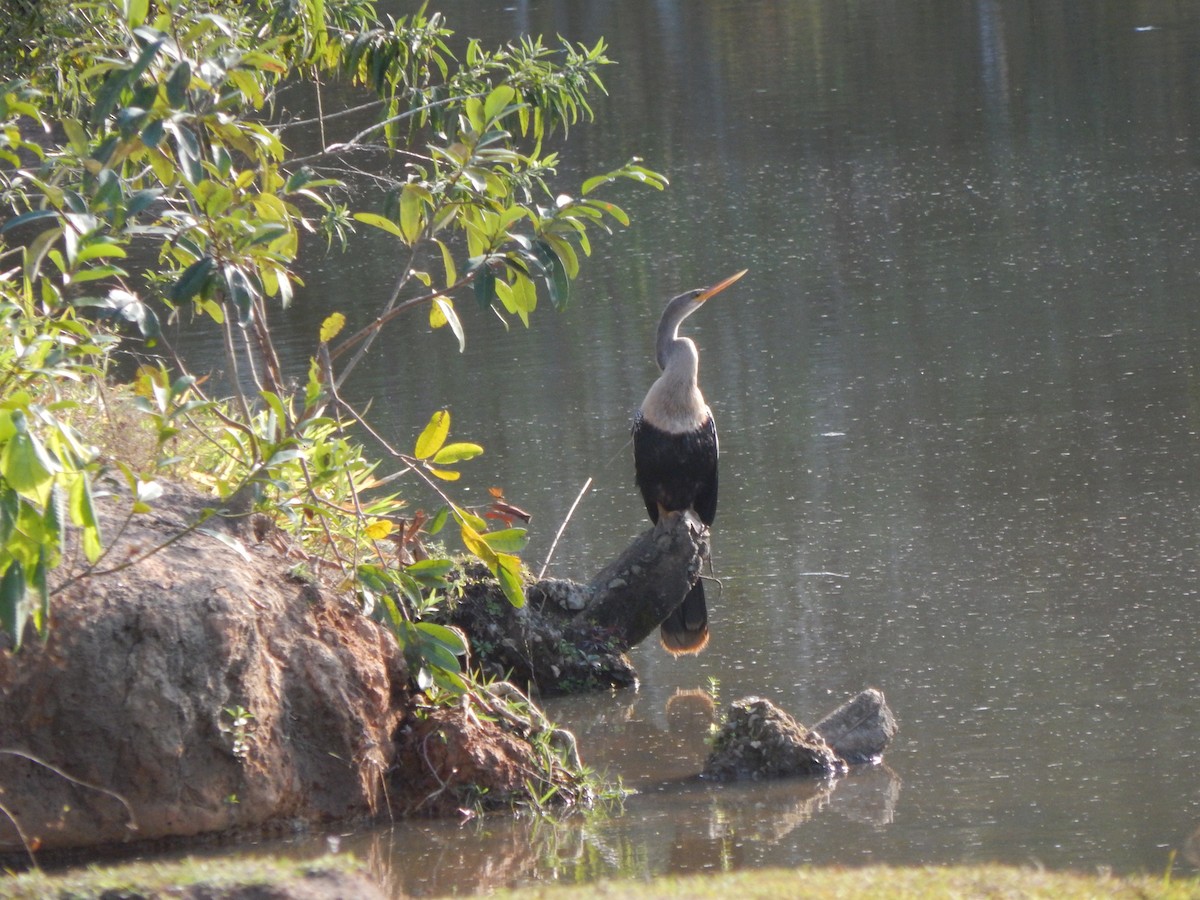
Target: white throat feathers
pixel 674 402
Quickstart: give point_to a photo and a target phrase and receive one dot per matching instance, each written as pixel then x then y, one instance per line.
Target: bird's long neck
pixel 674 402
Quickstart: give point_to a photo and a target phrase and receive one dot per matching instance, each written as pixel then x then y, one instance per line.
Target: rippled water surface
pixel 958 404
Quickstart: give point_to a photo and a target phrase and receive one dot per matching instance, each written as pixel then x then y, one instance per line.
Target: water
pixel 958 403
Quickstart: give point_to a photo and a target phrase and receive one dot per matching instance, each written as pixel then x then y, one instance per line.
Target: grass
pixel 224 878
pixel 881 882
pixel 207 878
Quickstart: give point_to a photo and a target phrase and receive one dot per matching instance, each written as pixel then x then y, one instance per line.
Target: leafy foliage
pixel 147 176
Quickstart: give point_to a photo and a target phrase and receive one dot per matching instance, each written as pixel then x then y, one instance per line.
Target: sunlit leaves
pixel 381 222
pixel 632 170
pixel 434 435
pixel 456 453
pixel 441 313
pixel 24 462
pixel 332 327
pixel 505 566
pixel 378 529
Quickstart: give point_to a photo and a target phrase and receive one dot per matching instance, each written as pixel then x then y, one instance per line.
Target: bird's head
pixel 705 293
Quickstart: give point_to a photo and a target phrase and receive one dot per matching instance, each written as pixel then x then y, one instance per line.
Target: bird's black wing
pixel 706 496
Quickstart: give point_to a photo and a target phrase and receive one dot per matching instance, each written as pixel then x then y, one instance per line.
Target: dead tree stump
pixel 631 596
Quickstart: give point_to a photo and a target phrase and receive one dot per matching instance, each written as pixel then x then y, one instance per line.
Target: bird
pixel 675 452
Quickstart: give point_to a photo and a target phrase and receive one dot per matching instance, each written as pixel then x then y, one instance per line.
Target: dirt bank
pixel 204 690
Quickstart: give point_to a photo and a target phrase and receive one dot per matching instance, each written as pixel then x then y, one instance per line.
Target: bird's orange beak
pixel 720 286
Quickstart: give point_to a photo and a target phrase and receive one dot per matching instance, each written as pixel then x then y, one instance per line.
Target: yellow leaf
pixel 446 474
pixel 331 326
pixel 379 529
pixel 474 542
pixel 434 435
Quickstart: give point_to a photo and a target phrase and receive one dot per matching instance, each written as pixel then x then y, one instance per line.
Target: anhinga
pixel 675 452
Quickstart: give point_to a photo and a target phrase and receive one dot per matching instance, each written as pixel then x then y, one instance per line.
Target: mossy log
pixel 572 636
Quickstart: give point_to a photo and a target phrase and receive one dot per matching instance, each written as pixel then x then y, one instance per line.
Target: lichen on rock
pixel 759 740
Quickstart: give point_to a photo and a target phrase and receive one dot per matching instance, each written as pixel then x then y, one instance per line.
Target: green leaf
pixel 558 285
pixel 450 681
pixel 83 513
pixel 242 292
pixel 411 214
pixel 194 280
pixel 524 297
pixel 109 94
pixel 187 149
pixel 27 467
pixel 10 509
pixel 437 523
pixel 507 540
pixel 448 264
pixel 508 573
pixel 434 436
pixel 32 216
pixel 485 287
pixel 456 453
pixel 135 11
pixel 37 250
pixel 12 601
pixel 498 101
pixel 178 84
pixel 612 209
pixel 381 222
pixel 41 585
pixel 99 250
pixel 475 543
pixel 450 638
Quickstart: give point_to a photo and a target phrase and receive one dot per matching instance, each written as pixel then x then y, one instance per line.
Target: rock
pixel 122 725
pixel 759 740
pixel 860 729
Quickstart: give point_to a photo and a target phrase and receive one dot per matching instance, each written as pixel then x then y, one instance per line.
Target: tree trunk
pixel 631 596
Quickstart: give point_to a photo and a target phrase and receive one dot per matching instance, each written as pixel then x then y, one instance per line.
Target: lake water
pixel 958 396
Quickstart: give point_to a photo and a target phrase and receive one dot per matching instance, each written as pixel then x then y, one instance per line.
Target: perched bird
pixel 675 452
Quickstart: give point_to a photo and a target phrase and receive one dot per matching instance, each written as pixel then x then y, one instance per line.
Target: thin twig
pixel 20 835
pixel 78 782
pixel 348 111
pixel 561 528
pixel 354 141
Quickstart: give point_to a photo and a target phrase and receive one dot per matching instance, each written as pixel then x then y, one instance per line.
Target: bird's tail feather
pixel 686 629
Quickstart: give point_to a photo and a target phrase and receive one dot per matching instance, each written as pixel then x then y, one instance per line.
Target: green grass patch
pixel 882 882
pixel 194 877
pixel 230 876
